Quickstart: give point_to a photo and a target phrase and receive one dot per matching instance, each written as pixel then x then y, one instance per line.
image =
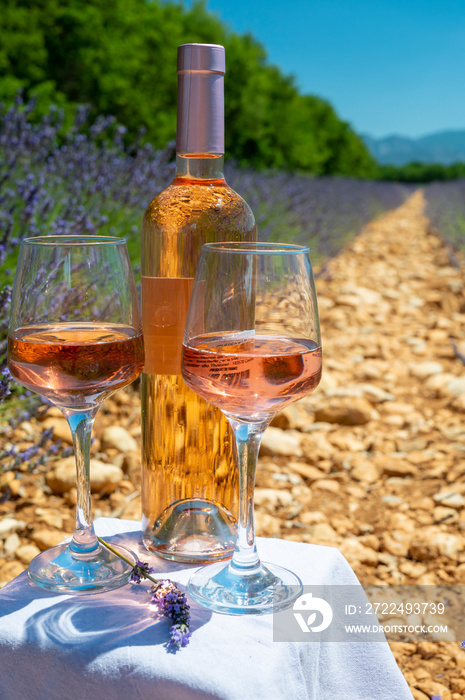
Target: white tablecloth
pixel 109 646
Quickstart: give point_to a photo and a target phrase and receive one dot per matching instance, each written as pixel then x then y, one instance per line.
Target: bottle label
pixel 165 302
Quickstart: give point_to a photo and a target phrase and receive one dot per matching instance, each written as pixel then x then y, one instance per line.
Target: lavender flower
pixel 31 457
pixel 5 383
pixel 140 571
pixel 172 602
pixel 180 635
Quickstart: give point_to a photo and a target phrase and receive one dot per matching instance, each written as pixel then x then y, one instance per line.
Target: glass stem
pixel 248 438
pixel 81 422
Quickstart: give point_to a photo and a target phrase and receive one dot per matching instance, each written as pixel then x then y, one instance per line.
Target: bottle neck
pixel 200 166
pixel 200 113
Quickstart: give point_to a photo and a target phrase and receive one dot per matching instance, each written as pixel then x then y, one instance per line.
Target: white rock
pixel 322 532
pixel 267 525
pixel 317 446
pixel 281 442
pixel 447 544
pixel 375 394
pixel 356 552
pixel 365 470
pixel 61 429
pixel 412 569
pixel 317 427
pixel 369 391
pixel 327 382
pixel 46 538
pixel 9 525
pixel 422 370
pixel 104 477
pixel 391 500
pixel 273 498
pixel 450 499
pixel 443 514
pixel 27 552
pixel 28 429
pixel 345 411
pixel 366 296
pixel 12 543
pixel 294 416
pixel 325 302
pixel 438 383
pixel 327 485
pixel 457 386
pixel 118 437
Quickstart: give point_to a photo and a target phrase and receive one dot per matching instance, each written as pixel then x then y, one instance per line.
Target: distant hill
pixel 443 147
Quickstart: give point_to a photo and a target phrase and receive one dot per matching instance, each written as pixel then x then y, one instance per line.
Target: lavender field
pixel 88 180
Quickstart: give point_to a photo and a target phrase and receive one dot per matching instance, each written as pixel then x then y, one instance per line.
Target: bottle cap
pixel 200 124
pixel 201 57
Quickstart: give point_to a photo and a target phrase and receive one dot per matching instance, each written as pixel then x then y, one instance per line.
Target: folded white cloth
pixel 110 646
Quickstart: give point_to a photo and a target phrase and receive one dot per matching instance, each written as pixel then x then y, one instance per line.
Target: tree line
pixel 419 173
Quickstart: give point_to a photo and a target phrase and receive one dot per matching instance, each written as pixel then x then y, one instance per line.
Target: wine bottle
pixel 189 478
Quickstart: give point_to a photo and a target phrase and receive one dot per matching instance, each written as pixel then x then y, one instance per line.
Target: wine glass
pixel 251 347
pixel 75 337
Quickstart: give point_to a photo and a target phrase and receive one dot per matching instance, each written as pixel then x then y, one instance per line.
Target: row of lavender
pixel 88 180
pixel 445 208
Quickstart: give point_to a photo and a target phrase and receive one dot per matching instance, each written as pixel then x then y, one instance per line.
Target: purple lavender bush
pixel 324 213
pixel 85 181
pixel 82 181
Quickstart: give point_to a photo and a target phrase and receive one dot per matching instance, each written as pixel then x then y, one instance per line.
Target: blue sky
pixel 386 66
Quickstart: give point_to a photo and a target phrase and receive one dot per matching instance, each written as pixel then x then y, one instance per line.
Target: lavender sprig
pixel 170 601
pixel 140 571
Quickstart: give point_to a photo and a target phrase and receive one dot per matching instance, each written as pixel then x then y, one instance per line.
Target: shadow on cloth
pixel 93 624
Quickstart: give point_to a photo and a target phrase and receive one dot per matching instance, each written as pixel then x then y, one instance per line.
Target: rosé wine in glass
pixel 251 376
pixel 75 364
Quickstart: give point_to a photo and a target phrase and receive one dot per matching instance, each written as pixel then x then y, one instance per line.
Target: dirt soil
pixel 372 463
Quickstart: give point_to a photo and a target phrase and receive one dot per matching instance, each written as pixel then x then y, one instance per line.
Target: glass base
pixel 62 570
pixel 265 590
pixel 193 531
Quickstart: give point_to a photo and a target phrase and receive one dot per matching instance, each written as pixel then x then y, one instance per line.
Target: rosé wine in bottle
pixel 189 480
